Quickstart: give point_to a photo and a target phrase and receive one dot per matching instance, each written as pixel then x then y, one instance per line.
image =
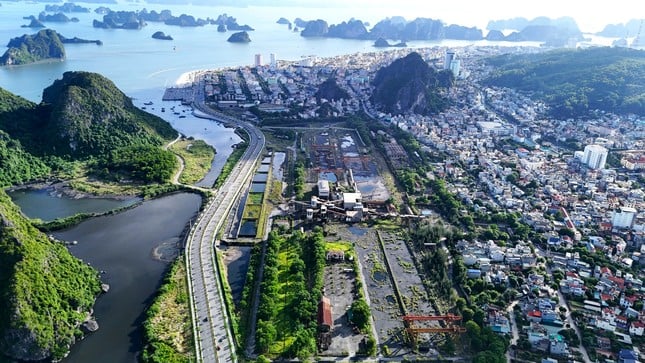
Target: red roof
pixel 535 314
pixel 324 312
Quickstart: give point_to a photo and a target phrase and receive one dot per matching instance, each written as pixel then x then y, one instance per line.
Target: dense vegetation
pixel 45 293
pixel 198 158
pixel 16 165
pixel 46 44
pixel 577 82
pixel 89 116
pixel 149 164
pixel 286 317
pixel 168 331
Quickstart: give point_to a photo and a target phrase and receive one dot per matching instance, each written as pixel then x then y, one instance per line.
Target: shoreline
pixel 64 189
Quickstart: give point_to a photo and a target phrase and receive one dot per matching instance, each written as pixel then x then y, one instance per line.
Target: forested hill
pixel 90 116
pixel 576 82
pixel 45 293
pixel 82 115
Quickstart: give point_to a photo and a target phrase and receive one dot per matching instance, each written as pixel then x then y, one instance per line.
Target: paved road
pixel 563 302
pixel 213 336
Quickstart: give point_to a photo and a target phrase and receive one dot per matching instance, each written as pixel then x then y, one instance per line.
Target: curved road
pixel 212 333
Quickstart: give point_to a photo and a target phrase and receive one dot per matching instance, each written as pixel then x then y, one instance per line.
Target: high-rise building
pixel 595 156
pixel 258 60
pixel 623 218
pixel 450 56
pixel 273 62
pixel 455 67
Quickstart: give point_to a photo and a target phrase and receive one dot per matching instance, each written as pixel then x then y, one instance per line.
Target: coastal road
pixel 212 328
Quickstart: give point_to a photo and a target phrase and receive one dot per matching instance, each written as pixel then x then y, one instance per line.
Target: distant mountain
pixel 45 292
pixel 409 85
pixel 399 28
pixel 46 44
pixel 576 82
pixel 626 30
pixel 353 29
pixel 520 23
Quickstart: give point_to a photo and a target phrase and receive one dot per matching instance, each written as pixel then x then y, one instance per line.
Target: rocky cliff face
pixel 353 29
pixel 315 28
pixel 409 85
pixel 46 44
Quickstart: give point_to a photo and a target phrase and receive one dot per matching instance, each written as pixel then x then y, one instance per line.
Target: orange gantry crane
pixel 450 325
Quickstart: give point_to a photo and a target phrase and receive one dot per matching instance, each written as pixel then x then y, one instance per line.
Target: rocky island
pixel 382 43
pixel 161 36
pixel 47 44
pixel 56 18
pixel 66 8
pixel 35 23
pixel 239 37
pixel 44 45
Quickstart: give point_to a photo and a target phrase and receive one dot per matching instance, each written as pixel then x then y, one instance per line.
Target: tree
pixel 360 314
pixel 265 335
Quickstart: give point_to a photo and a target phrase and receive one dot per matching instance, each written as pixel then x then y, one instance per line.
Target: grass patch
pixel 252 211
pixel 198 158
pixel 255 198
pixel 275 192
pixel 232 160
pixel 97 187
pixel 168 329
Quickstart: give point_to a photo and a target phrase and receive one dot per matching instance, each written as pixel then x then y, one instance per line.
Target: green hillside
pixel 576 82
pixel 18 166
pixel 45 293
pixel 89 116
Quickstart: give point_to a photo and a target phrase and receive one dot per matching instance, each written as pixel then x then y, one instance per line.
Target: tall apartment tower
pixel 595 156
pixel 450 56
pixel 272 60
pixel 258 60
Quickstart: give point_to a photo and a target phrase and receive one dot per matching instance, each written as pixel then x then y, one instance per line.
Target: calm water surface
pixel 47 206
pixel 127 246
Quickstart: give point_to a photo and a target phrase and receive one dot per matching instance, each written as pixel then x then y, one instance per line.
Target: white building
pixel 450 56
pixel 323 189
pixel 624 217
pixel 595 156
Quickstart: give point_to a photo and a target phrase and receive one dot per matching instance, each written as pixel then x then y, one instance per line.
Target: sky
pixel 590 16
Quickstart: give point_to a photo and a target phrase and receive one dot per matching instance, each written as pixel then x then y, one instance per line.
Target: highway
pixel 212 329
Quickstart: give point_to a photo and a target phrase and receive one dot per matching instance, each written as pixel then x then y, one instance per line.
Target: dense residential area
pixel 539 219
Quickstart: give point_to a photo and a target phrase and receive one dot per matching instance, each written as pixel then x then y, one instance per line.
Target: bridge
pixel 211 326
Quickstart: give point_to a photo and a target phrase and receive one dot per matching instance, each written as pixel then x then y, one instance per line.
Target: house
pixel 627 356
pixel 498 322
pixel 558 346
pixel 637 328
pixel 536 333
pixel 621 322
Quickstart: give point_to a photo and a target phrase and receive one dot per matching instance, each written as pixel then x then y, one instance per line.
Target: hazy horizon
pixel 589 17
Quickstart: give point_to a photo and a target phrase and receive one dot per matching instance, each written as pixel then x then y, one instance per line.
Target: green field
pixel 198 157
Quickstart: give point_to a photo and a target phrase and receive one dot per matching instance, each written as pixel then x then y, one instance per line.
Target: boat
pixel 163 109
pixel 148 103
pixel 182 116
